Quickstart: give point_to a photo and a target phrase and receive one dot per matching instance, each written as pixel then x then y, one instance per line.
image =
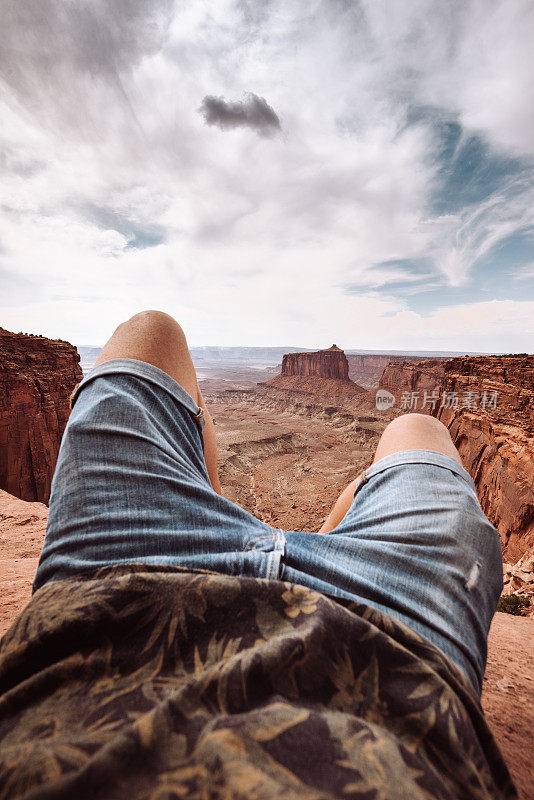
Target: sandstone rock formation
pixel 324 390
pixel 331 363
pixel 487 402
pixel 495 438
pixel 324 374
pixel 37 376
pixel 366 369
pixel 519 578
pixel 417 377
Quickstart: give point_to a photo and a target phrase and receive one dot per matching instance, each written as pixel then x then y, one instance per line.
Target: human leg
pixel 416 432
pixel 156 338
pixel 409 537
pixel 131 483
pixel 408 432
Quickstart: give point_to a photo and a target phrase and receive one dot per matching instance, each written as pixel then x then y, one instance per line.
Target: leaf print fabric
pixel 158 683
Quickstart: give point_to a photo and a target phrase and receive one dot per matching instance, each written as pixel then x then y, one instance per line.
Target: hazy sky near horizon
pixel 275 173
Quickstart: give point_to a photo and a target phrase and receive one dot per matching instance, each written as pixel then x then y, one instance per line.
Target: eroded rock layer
pixel 323 375
pixel 321 389
pixel 417 377
pixel 37 376
pixel 331 363
pixel 367 369
pixel 487 403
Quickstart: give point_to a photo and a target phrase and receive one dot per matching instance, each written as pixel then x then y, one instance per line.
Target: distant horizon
pixel 303 349
pixel 347 351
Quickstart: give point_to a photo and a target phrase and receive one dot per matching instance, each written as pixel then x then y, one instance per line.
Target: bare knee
pixel 155 323
pixel 154 337
pixel 417 422
pixel 416 432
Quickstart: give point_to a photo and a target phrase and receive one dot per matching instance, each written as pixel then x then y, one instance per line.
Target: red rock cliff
pixel 37 376
pixel 367 368
pixel 416 377
pixel 487 402
pixel 331 363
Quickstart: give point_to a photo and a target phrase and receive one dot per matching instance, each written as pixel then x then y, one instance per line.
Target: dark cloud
pixel 139 235
pixel 252 112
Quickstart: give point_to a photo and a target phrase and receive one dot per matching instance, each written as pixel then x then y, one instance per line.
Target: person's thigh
pixel 416 544
pixel 131 485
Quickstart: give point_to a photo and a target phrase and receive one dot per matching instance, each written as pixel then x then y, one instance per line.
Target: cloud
pixel 526 273
pixel 460 241
pixel 68 64
pixel 254 112
pixel 474 59
pixel 469 327
pixel 138 234
pixel 393 173
pixel 46 40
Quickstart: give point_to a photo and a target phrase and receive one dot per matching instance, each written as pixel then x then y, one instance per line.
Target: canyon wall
pixel 331 363
pixel 37 376
pixel 366 369
pixel 417 377
pixel 487 403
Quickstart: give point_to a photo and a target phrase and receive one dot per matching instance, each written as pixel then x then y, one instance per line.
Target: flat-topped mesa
pixel 37 376
pixel 323 374
pixel 331 363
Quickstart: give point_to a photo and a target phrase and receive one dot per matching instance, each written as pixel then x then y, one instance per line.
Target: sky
pixel 275 173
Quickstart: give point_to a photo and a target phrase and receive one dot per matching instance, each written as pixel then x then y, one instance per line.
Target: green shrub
pixel 513 604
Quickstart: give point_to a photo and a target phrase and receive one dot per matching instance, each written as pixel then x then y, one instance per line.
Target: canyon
pixel 288 447
pixel 249 366
pixel 37 376
pixel 366 369
pixel 487 403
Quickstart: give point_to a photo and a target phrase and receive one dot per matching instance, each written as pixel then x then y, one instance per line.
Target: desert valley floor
pixel 287 463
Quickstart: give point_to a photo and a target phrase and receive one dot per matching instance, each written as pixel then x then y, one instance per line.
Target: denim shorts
pixel 131 485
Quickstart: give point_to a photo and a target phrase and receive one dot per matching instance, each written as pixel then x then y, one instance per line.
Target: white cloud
pixel 473 58
pixel 459 241
pixel 493 326
pixel 259 237
pixel 526 273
